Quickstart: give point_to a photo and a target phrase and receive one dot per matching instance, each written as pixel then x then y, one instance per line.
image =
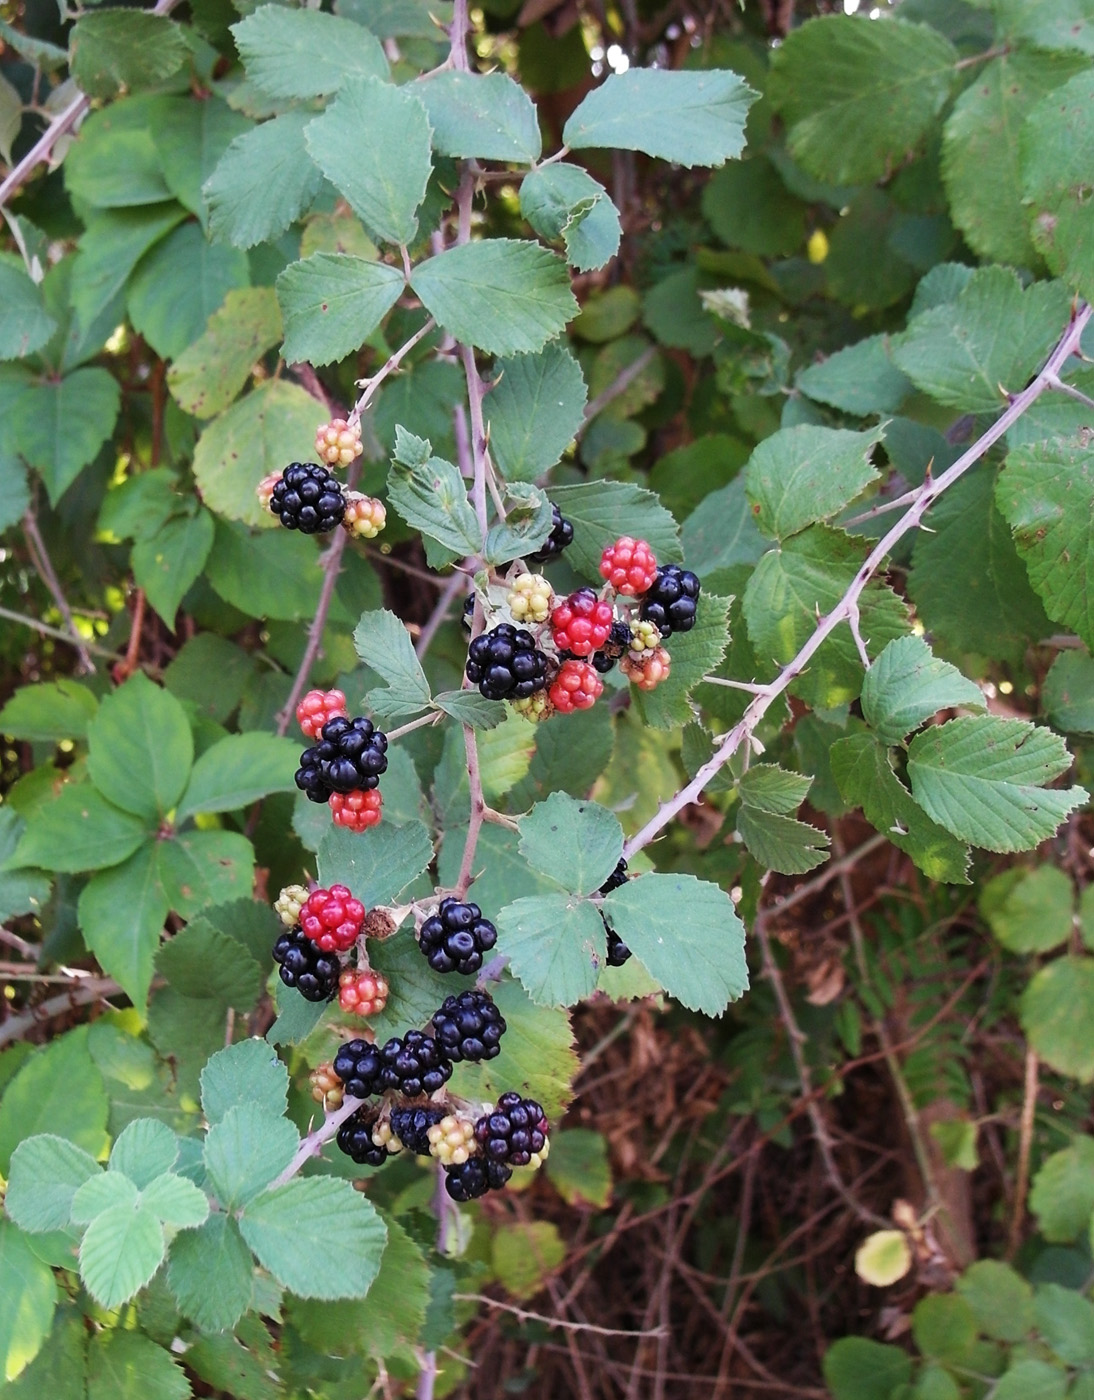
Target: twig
pixel 998 52
pixel 478 808
pixel 434 717
pixel 79 994
pixel 1025 1149
pixel 623 380
pixel 562 1324
pixel 39 556
pixel 1070 390
pixel 926 495
pixel 39 152
pixel 390 365
pixel 28 950
pixel 312 1143
pixel 47 631
pixel 452 587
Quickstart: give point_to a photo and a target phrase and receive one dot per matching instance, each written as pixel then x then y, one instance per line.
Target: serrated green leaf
pixel 749 207
pixel 503 295
pixel 1029 1379
pixel 859 379
pixel 383 643
pixel 331 303
pixel 80 830
pixel 119 48
pixel 579 1169
pixel 25 324
pixel 175 1201
pixel 263 182
pixel 166 564
pixel 140 749
pixel 273 424
pixel 527 523
pixel 1056 180
pixel 1062 1193
pixel 102 1192
pixel 1046 494
pixel 1056 1011
pixel 205 964
pixel 906 685
pixel 525 1254
pixel 534 410
pixel 246 1150
pixel 384 178
pixel 211 673
pixel 199 868
pixel 416 990
pixel 577 843
pixel 305 53
pixel 555 945
pixel 128 1366
pixel 144 1150
pixel 30 1295
pixel 191 134
pixel 601 511
pixel 44 1174
pixel 120 1251
pixel 687 935
pixel 766 787
pixel 377 866
pixel 864 773
pixel 1000 1299
pixel 695 118
pixel 289 1230
pixel 721 532
pixel 246 1073
pixel 487 116
pixel 1068 693
pixel 209 374
pixel 859 96
pixel 856 1368
pixel 564 201
pixel 51 711
pixel 982 779
pixel 782 843
pixel 58 426
pixel 114 161
pixel 111 247
pixel 179 284
pixel 211 1272
pixel 1065 1320
pixel 469 707
pixel 969 353
pixel 693 655
pixel 1029 911
pixel 433 498
pixel 265 574
pixel 238 770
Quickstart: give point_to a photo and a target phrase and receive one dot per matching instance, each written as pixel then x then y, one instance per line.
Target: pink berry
pixel 576 687
pixel 629 566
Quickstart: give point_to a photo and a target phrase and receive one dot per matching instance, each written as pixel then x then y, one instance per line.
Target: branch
pixel 846 609
pixel 390 365
pixel 47 631
pixel 623 380
pixel 80 994
pixel 312 1144
pixel 39 557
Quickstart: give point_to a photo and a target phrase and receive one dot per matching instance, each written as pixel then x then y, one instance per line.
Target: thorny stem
pixel 452 587
pixel 39 557
pixel 79 994
pixel 47 631
pixel 845 609
pixel 312 1143
pixel 434 717
pixel 622 381
pixel 390 365
pixel 1025 1150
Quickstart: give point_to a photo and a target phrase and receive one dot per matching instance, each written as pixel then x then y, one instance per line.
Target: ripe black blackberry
pixel 506 664
pixel 618 952
pixel 562 534
pixel 355 1138
pixel 469 1027
pixel 474 1178
pixel 456 936
pixel 308 498
pixel 513 1132
pixel 413 1064
pixel 616 645
pixel 411 1126
pixel 358 1065
pixel 350 756
pixel 305 966
pixel 671 601
pixel 468 616
pixel 616 879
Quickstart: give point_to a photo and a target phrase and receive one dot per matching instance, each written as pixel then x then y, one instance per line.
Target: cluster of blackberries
pixel 672 600
pixel 456 936
pixel 562 535
pixel 308 498
pixel 350 757
pixel 305 966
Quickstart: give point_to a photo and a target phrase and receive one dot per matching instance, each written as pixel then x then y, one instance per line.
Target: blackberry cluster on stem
pixel 350 757
pixel 308 498
pixel 456 936
pixel 506 664
pixel 304 966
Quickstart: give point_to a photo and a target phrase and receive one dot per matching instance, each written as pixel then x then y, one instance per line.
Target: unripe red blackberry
pixel 362 993
pixel 562 534
pixel 306 967
pixel 473 1178
pixel 581 623
pixel 576 687
pixel 648 671
pixel 469 1027
pixel 333 918
pixel 629 565
pixel 672 600
pixel 456 936
pixel 316 708
pixel 338 442
pixel 356 811
pixel 308 498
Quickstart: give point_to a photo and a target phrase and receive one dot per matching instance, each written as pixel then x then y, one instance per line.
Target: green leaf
pixel 237 770
pixel 969 353
pixel 175 1201
pixel 779 842
pixel 166 564
pixel 199 868
pixel 526 526
pixel 377 866
pixel 289 1230
pixel 211 1274
pixel 906 685
pixel 1056 1010
pixel 119 48
pixel 44 1174
pixel 564 201
pixel 860 379
pixel 331 303
pixel 245 1151
pixel 25 324
pixel 137 507
pixel 1056 180
pixel 39 52
pixel 128 1366
pixel 209 374
pixel 1031 1380
pixel 469 707
pixel 383 643
pixel 801 475
pixel 1046 494
pixel 535 411
pixel 51 711
pixel 114 161
pixel 687 935
pixel 1067 694
pixel 1029 911
pixel 806 578
pixel 120 1251
pixel 1000 1299
pixel 246 1073
pixel 944 1327
pixel 859 96
pixel 80 830
pixel 863 770
pixel 203 963
pixel 721 532
pixel 576 843
pixel 856 1368
pixel 433 498
pixel 178 286
pixel 272 425
pixel 967 581
pixel 525 1254
pixel 579 1169
pixel 211 673
pixel 555 945
pixel 122 911
pixel 58 426
pixel 384 178
pixel 144 1150
pixel 264 181
pixel 1065 1320
pixel 191 134
pixel 982 779
pixel 267 574
pixel 140 749
pixel 102 1192
pixel 695 118
pixel 30 1295
pixel 601 511
pixel 109 250
pixel 503 295
pixel 487 116
pixel 694 655
pixel 980 150
pixel 1062 1193
pixel 305 53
